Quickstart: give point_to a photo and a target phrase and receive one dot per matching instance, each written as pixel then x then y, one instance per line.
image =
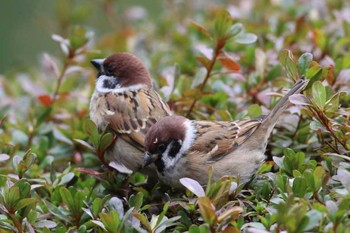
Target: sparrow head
pixel 167 141
pixel 121 70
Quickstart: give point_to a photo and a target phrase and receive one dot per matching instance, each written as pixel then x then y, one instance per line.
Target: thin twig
pixel 207 76
pixel 59 82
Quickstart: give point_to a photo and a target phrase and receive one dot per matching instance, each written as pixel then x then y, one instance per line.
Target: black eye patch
pixel 110 83
pixel 175 147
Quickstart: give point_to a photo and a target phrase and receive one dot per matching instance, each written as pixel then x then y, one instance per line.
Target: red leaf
pixel 228 62
pixel 96 174
pixel 45 100
pixel 330 75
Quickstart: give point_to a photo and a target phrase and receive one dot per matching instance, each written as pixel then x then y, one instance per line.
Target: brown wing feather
pixel 136 112
pixel 218 138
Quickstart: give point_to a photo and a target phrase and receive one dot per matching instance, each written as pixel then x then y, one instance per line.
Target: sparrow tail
pixel 262 133
pixel 281 106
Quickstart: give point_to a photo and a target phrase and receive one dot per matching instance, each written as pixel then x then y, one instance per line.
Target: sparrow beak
pixel 97 63
pixel 149 158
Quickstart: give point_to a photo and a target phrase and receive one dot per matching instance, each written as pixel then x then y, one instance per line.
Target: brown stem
pixel 297 127
pixel 317 198
pixel 321 118
pixel 17 223
pixel 59 82
pixel 217 50
pixel 30 139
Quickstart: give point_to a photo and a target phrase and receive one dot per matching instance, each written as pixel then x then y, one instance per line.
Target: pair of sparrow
pixel 148 133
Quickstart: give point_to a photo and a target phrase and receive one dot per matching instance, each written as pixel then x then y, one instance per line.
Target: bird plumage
pixel 234 148
pixel 125 103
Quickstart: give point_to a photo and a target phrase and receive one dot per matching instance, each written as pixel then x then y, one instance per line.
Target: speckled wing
pixel 219 138
pixel 131 114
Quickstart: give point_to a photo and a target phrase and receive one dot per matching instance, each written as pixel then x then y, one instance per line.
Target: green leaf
pixel 313 74
pixel 254 111
pixel 11 197
pixel 162 214
pixel 304 62
pixel 309 178
pixel 78 36
pixel 25 202
pixel 202 29
pixel 332 104
pixel 57 212
pixel 144 221
pixel 287 61
pixel 302 224
pixel 91 129
pixel 136 201
pixel 67 198
pixel 319 175
pixel 24 188
pixel 222 25
pixel 105 141
pixel 111 221
pixel 299 186
pixel 207 210
pixel 98 204
pixel 236 29
pixel 282 183
pixel 199 229
pixel 79 198
pixel 319 94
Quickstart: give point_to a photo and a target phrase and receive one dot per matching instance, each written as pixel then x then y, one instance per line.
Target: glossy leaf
pixel 246 38
pixel 304 62
pixel 299 187
pixel 193 186
pixel 228 62
pixel 254 110
pixel 319 94
pixel 106 141
pixel 207 210
pixel 201 28
pixel 286 59
pixel 110 221
pixel 45 100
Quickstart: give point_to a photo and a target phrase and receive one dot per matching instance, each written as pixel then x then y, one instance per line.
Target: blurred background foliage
pixel 210 60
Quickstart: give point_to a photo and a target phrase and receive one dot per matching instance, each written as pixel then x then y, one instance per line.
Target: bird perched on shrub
pixel 180 147
pixel 126 103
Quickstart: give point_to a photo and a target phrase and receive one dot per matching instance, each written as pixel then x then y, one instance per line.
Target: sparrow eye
pixel 108 71
pixel 161 148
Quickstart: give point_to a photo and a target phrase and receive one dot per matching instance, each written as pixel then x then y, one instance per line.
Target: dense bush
pixel 209 61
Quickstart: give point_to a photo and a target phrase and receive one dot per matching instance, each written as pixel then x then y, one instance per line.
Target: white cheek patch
pixel 117 89
pixel 189 137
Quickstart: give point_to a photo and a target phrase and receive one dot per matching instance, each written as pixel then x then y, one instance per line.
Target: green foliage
pixel 208 64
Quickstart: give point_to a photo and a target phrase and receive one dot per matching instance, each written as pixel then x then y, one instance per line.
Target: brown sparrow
pixel 180 147
pixel 125 102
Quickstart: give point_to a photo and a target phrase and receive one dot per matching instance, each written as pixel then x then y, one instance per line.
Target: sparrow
pixel 125 103
pixel 180 147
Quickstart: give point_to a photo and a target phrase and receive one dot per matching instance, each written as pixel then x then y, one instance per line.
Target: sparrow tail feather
pixel 281 105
